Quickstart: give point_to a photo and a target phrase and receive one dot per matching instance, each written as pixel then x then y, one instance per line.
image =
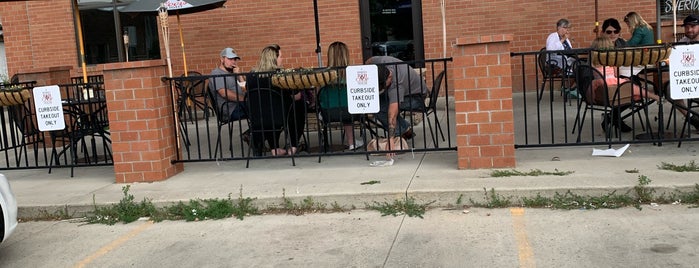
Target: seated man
pixel 405 90
pixel 230 96
pixel 691 35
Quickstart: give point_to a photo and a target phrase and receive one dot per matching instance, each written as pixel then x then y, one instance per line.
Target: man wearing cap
pixel 229 92
pixel 691 29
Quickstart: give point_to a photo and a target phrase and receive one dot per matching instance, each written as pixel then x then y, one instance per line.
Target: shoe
pixel 277 152
pixel 246 136
pixel 572 93
pixel 292 150
pixel 623 127
pixel 694 121
pixel 408 134
pixel 357 144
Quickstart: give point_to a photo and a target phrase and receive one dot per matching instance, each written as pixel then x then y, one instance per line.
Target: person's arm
pixel 636 38
pixel 230 95
pixel 392 124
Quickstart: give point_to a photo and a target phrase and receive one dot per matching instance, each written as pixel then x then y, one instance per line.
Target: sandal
pixel 278 152
pixel 292 151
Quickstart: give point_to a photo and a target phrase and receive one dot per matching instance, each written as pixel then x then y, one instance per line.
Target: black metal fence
pixel 301 113
pixel 552 108
pixel 85 141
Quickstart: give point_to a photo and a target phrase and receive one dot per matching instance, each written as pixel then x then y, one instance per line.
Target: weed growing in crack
pixel 398 207
pixel 493 200
pixel 689 167
pixel 533 172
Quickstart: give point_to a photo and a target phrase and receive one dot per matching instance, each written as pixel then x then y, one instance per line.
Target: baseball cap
pixel 229 53
pixel 691 20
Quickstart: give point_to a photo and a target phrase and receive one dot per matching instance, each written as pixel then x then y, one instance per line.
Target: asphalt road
pixel 658 236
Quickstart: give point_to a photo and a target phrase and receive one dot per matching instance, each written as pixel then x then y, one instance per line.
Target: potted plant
pixel 303 78
pixel 12 94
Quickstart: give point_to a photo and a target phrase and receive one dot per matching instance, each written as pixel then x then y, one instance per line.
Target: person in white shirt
pixel 560 40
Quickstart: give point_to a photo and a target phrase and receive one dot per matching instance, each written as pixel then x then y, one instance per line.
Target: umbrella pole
pixel 184 57
pixel 318 50
pixel 444 28
pixel 80 39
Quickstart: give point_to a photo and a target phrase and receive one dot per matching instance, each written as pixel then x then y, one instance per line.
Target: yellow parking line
pixel 111 246
pixel 525 252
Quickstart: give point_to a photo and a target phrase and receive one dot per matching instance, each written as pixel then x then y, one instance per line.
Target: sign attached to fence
pixel 362 89
pixel 49 109
pixel 684 72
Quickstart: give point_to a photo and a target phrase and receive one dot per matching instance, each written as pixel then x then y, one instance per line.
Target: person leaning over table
pixel 230 96
pixel 691 35
pixel 641 32
pixel 271 61
pixel 405 90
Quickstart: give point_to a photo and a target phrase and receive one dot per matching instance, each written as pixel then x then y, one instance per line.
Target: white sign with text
pixel 362 89
pixel 49 109
pixel 684 72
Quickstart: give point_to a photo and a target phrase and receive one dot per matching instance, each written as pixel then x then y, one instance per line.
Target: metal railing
pixel 84 142
pixel 549 106
pixel 206 133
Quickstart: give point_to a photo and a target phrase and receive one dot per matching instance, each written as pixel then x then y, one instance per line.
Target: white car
pixel 8 209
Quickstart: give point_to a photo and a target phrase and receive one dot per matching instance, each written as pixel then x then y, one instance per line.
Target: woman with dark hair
pixel 612 29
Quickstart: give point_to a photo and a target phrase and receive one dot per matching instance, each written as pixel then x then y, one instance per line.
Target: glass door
pixel 392 28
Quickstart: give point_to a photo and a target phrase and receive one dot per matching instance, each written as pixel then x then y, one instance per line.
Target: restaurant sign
pixel 684 72
pixel 362 89
pixel 684 8
pixel 49 108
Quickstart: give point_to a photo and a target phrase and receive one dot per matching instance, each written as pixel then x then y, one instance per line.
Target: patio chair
pixel 220 122
pixel 267 115
pixel 550 72
pixel 332 108
pixel 691 104
pixel 23 118
pixel 584 75
pixel 431 108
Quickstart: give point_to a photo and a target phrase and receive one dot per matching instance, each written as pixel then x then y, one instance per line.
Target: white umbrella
pixel 176 7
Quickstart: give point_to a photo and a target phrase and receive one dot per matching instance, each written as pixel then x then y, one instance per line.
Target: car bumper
pixel 9 206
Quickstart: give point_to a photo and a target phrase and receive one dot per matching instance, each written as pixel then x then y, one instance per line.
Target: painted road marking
pixel 525 252
pixel 116 243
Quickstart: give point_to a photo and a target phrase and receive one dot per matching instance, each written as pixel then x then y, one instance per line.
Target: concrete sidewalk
pixel 425 176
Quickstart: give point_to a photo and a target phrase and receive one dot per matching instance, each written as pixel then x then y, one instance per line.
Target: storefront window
pixel 104 31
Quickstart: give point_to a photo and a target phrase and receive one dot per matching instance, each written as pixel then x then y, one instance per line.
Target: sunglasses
pixel 610 31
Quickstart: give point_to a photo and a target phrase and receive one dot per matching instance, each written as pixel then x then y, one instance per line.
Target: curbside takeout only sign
pixel 684 72
pixel 49 109
pixel 362 89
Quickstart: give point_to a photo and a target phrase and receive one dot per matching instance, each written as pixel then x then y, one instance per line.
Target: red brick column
pixel 140 121
pixel 482 79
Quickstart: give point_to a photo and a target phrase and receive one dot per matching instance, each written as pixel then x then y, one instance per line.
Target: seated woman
pixel 333 97
pixel 288 105
pixel 627 91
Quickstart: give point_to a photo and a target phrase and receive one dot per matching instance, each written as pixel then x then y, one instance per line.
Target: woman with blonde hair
pixel 333 97
pixel 627 90
pixel 641 32
pixel 293 108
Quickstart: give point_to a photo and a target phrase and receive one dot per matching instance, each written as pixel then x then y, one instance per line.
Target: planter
pixel 303 79
pixel 631 57
pixel 11 97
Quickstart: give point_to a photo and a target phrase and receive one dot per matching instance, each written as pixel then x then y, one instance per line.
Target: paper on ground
pixel 610 151
pixel 382 163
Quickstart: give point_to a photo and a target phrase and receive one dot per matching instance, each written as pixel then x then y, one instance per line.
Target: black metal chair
pixel 222 121
pixel 550 72
pixel 23 118
pixel 85 119
pixel 584 75
pixel 431 108
pixel 267 115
